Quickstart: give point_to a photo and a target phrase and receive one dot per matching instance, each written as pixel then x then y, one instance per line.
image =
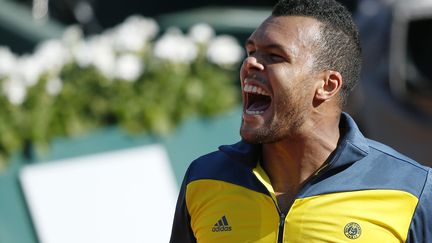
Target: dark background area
pixel 110 13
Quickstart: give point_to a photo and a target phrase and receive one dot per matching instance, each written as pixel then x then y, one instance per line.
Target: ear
pixel 329 85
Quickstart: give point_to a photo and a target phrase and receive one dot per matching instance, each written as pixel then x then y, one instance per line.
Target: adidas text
pixel 221 228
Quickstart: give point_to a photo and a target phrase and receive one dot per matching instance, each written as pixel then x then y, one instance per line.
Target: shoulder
pixel 391 165
pixel 224 163
pixel 420 230
pixel 230 164
pixel 387 154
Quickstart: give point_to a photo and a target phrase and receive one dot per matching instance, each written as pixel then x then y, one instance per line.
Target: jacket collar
pixel 352 147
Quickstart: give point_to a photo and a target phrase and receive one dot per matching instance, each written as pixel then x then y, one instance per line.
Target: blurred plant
pixel 122 77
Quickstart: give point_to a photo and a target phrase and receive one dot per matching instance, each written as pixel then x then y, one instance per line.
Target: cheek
pixel 280 80
pixel 243 73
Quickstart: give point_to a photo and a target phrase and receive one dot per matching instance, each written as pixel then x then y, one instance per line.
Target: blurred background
pixel 105 103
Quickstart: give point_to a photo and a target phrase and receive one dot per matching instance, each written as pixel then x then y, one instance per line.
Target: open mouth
pixel 257 100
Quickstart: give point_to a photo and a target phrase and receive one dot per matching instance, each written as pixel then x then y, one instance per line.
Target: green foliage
pixel 165 95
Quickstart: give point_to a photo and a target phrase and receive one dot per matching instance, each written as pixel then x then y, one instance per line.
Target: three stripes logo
pixel 221 225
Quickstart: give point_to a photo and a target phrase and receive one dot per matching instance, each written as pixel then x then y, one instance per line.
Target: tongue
pixel 259 106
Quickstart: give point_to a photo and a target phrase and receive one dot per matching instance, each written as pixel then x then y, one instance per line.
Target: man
pixel 303 172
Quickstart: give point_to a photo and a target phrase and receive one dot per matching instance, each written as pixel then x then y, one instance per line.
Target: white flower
pixel 30 70
pixel 133 34
pixel 97 51
pixel 15 90
pixel 8 62
pixel 104 57
pixel 54 86
pixel 72 36
pixel 51 56
pixel 201 33
pixel 129 67
pixel 225 51
pixel 82 54
pixel 175 47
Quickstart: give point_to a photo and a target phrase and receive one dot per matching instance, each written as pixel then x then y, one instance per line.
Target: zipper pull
pixel 320 169
pixel 281 219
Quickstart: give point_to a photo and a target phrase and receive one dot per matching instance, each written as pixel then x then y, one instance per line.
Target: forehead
pixel 290 32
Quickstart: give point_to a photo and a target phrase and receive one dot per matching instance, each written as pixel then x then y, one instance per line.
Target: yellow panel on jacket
pixel 361 216
pixel 223 212
pixel 251 216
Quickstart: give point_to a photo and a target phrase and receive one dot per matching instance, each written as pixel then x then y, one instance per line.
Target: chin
pixel 249 136
pixel 262 135
pixel 254 137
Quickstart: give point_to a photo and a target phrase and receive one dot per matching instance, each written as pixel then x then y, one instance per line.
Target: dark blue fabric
pixel 235 170
pixel 363 164
pixel 181 231
pixel 377 170
pixel 421 225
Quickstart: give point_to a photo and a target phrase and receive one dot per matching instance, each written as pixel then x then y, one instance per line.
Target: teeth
pixel 254 112
pixel 254 89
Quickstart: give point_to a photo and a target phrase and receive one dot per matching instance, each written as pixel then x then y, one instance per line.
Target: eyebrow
pixel 269 46
pixel 286 51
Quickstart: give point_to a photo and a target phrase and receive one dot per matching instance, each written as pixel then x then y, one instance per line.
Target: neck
pixel 292 161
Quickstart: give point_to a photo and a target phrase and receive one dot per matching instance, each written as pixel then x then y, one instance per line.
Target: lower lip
pixel 250 117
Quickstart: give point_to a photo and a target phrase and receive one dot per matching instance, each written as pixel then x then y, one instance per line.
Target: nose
pixel 252 63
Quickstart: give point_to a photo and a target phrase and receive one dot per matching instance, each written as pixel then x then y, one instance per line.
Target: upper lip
pixel 253 81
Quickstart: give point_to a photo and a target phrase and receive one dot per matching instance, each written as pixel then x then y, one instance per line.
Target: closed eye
pixel 250 53
pixel 276 58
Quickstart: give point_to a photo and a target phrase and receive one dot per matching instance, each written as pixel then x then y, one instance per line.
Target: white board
pixel 126 196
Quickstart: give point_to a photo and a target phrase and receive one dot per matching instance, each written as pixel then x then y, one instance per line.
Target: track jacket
pixel 367 192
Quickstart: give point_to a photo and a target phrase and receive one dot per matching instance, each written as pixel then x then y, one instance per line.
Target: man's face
pixel 277 78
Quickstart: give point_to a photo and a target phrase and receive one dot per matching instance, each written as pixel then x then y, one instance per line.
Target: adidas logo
pixel 221 225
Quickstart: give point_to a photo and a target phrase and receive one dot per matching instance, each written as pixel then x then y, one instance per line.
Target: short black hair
pixel 340 47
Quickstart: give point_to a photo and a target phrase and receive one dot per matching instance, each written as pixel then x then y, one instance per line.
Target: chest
pixel 224 212
pixel 285 201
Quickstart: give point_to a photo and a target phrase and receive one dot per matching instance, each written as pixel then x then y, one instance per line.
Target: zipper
pixel 283 215
pixel 281 221
pixel 281 227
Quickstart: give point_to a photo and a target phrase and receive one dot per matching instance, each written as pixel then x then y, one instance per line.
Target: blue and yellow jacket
pixel 366 193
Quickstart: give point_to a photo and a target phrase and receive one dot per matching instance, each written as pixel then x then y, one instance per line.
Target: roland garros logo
pixel 352 230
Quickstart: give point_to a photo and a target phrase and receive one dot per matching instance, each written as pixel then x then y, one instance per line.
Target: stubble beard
pixel 282 126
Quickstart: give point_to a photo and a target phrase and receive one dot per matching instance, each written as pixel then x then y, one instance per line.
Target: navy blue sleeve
pixel 181 229
pixel 421 225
